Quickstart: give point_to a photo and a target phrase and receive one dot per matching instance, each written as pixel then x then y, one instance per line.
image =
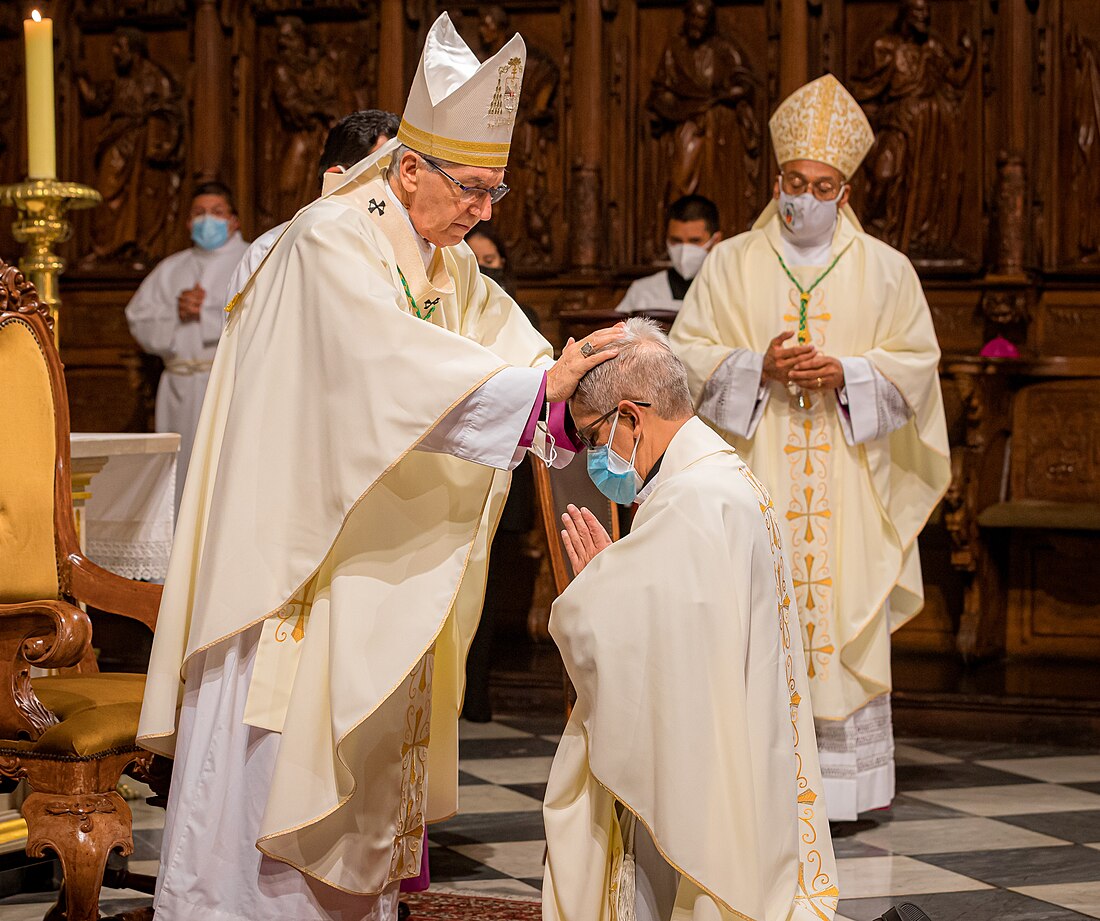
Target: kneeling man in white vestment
pixel 369 395
pixel 686 785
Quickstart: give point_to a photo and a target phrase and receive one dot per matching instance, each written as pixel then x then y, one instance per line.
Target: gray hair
pixel 402 149
pixel 645 369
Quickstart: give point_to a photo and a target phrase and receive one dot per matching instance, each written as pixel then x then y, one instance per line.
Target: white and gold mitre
pixel 459 109
pixel 822 122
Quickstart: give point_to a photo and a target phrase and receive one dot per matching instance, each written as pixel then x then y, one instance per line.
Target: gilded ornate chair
pixel 70 735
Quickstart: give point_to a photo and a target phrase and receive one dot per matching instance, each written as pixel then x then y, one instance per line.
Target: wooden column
pixel 391 57
pixel 794 40
pixel 589 91
pixel 211 89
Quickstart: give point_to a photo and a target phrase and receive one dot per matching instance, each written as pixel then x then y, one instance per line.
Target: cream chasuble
pixel 682 642
pixel 309 511
pixel 851 513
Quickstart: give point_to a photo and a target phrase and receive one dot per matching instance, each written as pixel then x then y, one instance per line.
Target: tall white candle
pixel 41 140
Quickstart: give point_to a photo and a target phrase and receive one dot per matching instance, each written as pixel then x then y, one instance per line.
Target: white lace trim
pixel 146 561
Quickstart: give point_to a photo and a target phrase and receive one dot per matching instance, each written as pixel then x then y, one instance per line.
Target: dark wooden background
pixel 986 172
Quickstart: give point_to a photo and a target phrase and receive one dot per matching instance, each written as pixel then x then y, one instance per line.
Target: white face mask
pixel 687 258
pixel 806 220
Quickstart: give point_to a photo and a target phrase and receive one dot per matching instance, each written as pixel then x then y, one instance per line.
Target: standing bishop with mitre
pixel 370 393
pixel 809 345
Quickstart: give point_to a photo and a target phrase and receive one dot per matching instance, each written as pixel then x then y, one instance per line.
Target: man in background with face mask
pixel 177 314
pixel 810 346
pixel 692 232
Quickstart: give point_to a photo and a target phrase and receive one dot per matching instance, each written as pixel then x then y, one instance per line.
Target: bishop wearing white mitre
pixel 370 393
pixel 809 345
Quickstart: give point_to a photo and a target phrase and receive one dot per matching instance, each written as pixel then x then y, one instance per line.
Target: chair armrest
pixel 47 634
pixel 85 581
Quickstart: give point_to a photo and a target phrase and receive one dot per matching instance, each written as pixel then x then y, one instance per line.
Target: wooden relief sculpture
pixel 305 102
pixel 138 155
pixel 1084 55
pixel 118 10
pixel 912 86
pixel 9 69
pixel 702 107
pixel 534 142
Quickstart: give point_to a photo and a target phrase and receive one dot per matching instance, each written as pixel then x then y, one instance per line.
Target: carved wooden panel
pixel 1073 124
pixel 13 143
pixel 914 67
pixel 957 318
pixel 532 219
pixel 1066 323
pixel 1052 611
pixel 1056 442
pixel 111 384
pixel 131 141
pixel 310 73
pixel 698 89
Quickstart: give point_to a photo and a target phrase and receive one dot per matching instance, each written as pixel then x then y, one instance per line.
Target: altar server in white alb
pixel 178 311
pixel 810 345
pixel 686 786
pixel 370 393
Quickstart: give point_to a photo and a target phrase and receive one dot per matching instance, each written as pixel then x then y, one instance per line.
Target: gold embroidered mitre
pixel 822 122
pixel 459 109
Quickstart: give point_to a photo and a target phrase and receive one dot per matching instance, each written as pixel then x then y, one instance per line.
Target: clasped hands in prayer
pixel 802 365
pixel 583 537
pixel 190 302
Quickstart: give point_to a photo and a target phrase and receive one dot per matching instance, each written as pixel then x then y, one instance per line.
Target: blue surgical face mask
pixel 209 232
pixel 614 477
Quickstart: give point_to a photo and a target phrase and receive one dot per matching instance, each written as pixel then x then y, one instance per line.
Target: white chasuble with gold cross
pixel 692 712
pixel 312 519
pixel 852 513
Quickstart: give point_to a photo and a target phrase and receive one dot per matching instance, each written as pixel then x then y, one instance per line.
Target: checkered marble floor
pixel 979 831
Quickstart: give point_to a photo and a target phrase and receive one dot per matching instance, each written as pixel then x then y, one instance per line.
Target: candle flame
pixel 36 16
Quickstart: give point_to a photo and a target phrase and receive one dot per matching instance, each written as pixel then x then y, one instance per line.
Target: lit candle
pixel 41 143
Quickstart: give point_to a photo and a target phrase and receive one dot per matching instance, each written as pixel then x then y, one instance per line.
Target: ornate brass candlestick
pixel 42 205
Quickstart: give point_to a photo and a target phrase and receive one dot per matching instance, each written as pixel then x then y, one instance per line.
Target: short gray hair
pixel 645 369
pixel 402 149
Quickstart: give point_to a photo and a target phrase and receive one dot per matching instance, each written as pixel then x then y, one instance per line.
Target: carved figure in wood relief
pixel 9 65
pixel 305 97
pixel 536 136
pixel 701 103
pixel 138 154
pixel 1085 56
pixel 912 85
pixel 118 10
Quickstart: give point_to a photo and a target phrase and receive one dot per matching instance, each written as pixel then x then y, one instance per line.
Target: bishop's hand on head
pixel 577 359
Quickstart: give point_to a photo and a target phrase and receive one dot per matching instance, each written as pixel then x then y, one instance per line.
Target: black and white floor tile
pixel 978 831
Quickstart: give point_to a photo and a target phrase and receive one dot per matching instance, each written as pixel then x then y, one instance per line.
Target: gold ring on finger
pixel 819 382
pixel 586 349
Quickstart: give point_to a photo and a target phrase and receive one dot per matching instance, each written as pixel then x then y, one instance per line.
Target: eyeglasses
pixel 471 194
pixel 587 435
pixel 823 189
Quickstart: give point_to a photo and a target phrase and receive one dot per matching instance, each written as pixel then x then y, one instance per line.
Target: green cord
pixel 412 300
pixel 804 295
